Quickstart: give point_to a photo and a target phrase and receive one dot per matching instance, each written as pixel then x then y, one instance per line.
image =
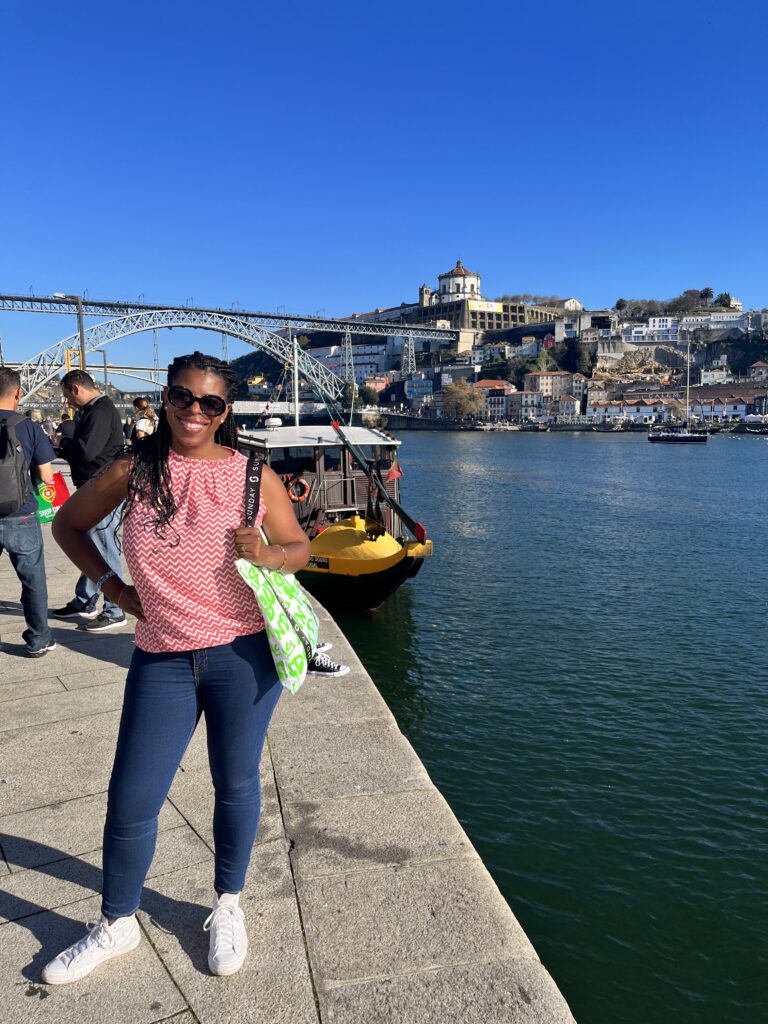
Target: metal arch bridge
pixel 44 367
pixel 274 321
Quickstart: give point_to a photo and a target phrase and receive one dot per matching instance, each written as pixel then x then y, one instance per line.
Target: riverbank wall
pixel 365 899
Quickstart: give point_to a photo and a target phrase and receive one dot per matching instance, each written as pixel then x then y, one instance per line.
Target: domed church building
pixel 458 303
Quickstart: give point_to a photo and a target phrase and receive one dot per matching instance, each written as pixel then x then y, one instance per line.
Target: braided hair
pixel 150 478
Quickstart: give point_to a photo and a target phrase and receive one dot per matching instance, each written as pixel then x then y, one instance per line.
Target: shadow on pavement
pixel 114 646
pixel 59 928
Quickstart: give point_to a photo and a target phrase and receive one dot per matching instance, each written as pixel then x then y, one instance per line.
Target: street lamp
pixel 80 329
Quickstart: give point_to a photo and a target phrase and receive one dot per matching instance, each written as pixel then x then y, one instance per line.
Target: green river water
pixel 582 668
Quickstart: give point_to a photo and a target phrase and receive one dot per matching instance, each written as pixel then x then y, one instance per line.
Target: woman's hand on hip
pixel 125 597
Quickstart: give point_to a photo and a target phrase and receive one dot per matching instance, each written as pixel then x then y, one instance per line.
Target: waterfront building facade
pixel 497 405
pixel 525 405
pixel 552 383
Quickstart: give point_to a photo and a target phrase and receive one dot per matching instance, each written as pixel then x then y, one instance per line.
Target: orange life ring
pixel 303 492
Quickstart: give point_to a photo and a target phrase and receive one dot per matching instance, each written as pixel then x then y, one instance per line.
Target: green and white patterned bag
pixel 291 624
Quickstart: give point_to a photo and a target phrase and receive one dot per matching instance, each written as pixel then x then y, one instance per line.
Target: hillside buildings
pixel 458 302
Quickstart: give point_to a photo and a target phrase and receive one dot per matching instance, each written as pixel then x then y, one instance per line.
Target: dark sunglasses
pixel 210 405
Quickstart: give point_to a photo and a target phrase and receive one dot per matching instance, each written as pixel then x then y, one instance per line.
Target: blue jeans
pixel 22 538
pixel 104 536
pixel 236 687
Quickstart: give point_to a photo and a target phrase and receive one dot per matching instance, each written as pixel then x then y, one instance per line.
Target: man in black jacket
pixel 98 437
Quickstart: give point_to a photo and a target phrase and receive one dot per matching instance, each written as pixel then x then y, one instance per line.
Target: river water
pixel 582 668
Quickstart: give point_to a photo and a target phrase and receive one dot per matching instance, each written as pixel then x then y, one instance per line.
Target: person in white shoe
pixel 201 648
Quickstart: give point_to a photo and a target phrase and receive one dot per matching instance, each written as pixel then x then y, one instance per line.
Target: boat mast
pixel 688 384
pixel 295 344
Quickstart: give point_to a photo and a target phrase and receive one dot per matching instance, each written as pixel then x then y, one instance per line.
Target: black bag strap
pixel 252 495
pixel 252 488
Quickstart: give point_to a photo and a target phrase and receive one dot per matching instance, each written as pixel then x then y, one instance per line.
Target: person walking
pixel 97 438
pixel 20 533
pixel 201 648
pixel 146 421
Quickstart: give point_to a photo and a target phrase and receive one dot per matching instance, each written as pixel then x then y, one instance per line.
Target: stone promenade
pixel 365 901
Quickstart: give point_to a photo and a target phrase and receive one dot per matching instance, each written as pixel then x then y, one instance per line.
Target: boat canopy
pixel 269 438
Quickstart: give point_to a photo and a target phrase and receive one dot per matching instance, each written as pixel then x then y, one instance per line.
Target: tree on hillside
pixel 577 358
pixel 706 295
pixel 526 299
pixel 348 394
pixel 369 395
pixel 544 361
pixel 461 400
pixel 723 299
pixel 686 302
pixel 586 360
pixel 517 367
pixel 497 370
pixel 621 304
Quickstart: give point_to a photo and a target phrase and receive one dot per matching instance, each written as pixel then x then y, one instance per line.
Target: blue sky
pixel 335 156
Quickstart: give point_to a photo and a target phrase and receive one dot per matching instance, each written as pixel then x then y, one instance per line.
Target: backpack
pixel 14 474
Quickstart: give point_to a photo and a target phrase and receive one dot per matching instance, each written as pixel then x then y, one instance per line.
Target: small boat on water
pixel 363 543
pixel 682 434
pixel 676 435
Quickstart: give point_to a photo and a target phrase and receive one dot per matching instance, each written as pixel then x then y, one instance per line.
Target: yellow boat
pixel 362 547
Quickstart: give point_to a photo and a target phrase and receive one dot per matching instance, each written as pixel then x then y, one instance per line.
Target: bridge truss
pixel 270 321
pixel 44 367
pixel 255 328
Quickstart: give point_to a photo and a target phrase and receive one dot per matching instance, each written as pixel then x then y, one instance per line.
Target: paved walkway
pixel 365 900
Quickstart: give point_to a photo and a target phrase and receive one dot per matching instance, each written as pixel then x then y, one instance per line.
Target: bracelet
pixel 285 559
pixel 103 579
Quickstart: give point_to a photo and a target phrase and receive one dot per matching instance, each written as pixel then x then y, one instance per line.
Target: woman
pixel 200 647
pixel 146 421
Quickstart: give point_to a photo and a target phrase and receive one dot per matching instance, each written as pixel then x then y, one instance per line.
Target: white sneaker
pixel 103 942
pixel 229 942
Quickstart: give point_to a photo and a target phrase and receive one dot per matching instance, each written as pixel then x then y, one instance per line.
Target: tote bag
pixel 290 620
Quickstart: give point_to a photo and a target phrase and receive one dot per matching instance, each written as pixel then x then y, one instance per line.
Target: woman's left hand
pixel 251 546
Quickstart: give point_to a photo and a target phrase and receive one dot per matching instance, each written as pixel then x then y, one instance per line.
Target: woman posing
pixel 200 648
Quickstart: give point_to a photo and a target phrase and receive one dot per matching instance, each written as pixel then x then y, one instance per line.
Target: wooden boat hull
pixel 357 593
pixel 350 569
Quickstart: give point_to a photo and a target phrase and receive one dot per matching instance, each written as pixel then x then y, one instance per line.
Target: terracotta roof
pixel 458 271
pixel 491 384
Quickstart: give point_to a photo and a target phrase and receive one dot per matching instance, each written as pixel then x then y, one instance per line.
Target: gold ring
pixel 241 548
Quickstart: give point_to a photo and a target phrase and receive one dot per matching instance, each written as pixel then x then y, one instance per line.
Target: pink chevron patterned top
pixel 190 591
